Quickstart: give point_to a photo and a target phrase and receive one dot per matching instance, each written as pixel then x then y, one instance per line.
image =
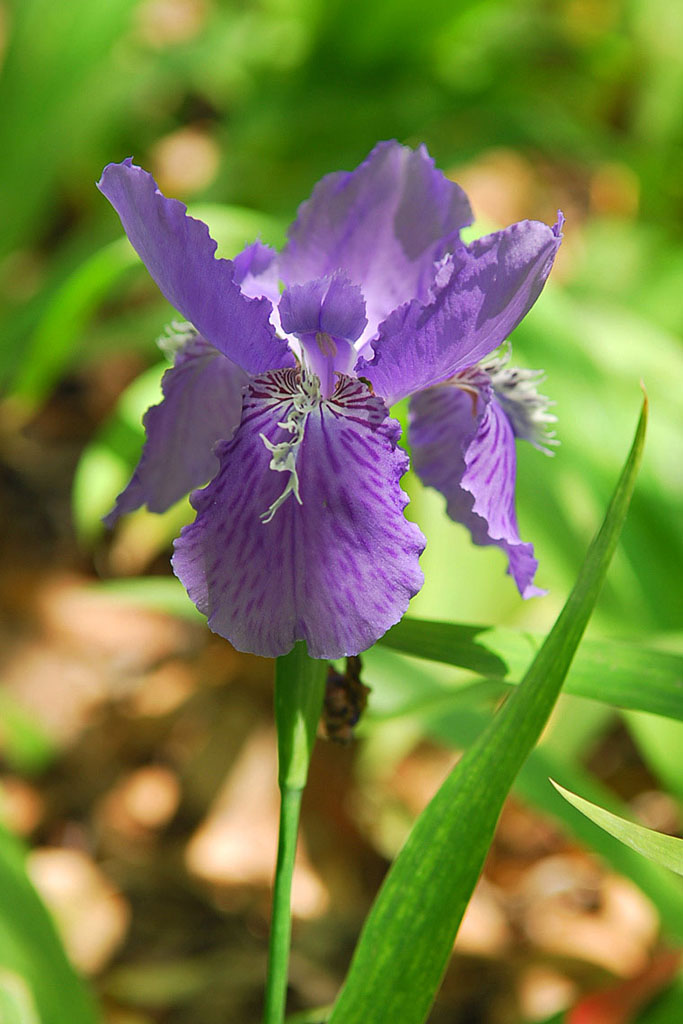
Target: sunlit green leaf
pixel 61 327
pixel 16 1003
pixel 660 848
pixel 160 593
pixel 51 92
pixel 318 1016
pixel 107 462
pixel 660 744
pixel 618 673
pixel 101 476
pixel 532 785
pixel 30 948
pixel 233 227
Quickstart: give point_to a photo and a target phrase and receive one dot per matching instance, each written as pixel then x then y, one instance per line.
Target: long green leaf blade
pixel 657 847
pixel 408 936
pixel 617 673
pixel 30 947
pixel 66 317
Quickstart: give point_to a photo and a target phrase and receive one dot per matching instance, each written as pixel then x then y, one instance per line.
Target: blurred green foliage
pixel 37 982
pixel 242 106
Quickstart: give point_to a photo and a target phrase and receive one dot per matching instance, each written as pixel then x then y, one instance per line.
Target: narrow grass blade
pixel 31 951
pixel 657 847
pixel 65 319
pixel 408 936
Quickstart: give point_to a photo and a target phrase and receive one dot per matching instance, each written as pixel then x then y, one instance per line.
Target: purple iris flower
pixel 281 400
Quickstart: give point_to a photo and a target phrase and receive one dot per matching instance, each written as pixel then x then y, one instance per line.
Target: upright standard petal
pixel 202 405
pixel 336 563
pixel 464 446
pixel 327 315
pixel 483 291
pixel 384 224
pixel 180 255
pixel 331 305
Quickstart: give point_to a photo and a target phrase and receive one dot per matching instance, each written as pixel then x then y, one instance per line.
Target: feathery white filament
pixel 286 453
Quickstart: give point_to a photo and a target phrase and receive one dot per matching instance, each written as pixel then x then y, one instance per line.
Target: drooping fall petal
pixel 336 570
pixel 464 446
pixel 202 404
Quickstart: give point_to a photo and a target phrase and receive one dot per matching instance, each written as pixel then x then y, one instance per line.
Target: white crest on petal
pixel 285 454
pixel 517 392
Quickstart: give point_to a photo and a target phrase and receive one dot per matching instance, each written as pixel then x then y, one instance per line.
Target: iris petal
pixel 329 304
pixel 179 253
pixel 384 224
pixel 483 291
pixel 336 570
pixel 464 446
pixel 202 404
pixel 257 273
pixel 327 315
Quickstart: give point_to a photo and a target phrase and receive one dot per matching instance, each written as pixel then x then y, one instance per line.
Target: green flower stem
pixel 299 692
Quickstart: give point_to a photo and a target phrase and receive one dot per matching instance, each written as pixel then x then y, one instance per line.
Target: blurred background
pixel 137 751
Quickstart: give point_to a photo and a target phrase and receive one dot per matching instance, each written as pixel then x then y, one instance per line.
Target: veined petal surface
pixel 329 304
pixel 202 404
pixel 463 445
pixel 256 271
pixel 327 315
pixel 336 570
pixel 384 224
pixel 179 253
pixel 482 292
